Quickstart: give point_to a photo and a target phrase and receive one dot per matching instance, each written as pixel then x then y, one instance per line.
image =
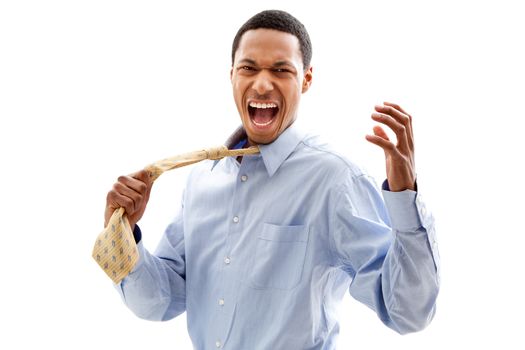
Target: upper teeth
pixel 263 105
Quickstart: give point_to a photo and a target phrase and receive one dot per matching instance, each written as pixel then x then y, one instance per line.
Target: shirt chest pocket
pixel 279 257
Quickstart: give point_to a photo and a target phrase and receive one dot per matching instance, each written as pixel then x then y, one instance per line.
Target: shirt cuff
pixel 402 209
pixel 386 186
pixel 137 234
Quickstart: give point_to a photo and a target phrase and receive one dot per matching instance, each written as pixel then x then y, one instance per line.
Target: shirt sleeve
pixel 388 248
pixel 156 287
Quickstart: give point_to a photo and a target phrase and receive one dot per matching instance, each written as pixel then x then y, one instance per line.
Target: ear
pixel 307 79
pixel 231 74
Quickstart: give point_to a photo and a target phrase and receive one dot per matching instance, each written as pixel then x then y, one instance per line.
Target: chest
pixel 255 222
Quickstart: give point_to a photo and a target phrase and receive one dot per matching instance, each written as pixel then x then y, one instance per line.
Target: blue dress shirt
pixel 261 252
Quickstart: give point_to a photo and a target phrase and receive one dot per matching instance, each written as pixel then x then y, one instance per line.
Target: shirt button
pixel 236 219
pixel 218 344
pixel 221 302
pixel 227 260
pixel 244 178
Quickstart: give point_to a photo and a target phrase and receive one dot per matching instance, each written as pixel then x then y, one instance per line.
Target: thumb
pixel 378 131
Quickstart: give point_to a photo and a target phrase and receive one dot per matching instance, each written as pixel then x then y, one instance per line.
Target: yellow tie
pixel 115 249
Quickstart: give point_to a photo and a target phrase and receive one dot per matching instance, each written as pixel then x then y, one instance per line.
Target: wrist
pixel 387 187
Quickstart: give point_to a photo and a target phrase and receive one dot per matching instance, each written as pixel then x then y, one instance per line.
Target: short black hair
pixel 281 21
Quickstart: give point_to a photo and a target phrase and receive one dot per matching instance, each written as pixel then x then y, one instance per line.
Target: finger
pixel 142 175
pixel 398 128
pixel 386 145
pixel 130 193
pixel 401 117
pixel 145 177
pixel 116 200
pixel 378 130
pixel 396 106
pixel 397 114
pixel 400 114
pixel 137 185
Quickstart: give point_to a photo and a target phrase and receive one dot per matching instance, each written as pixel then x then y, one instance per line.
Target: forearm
pixel 410 276
pixel 154 290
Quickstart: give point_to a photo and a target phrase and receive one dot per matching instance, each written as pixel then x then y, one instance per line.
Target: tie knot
pixel 217 152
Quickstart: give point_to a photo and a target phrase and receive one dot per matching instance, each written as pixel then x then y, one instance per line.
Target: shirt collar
pixel 273 154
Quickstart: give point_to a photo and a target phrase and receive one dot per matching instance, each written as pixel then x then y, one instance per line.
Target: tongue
pixel 262 115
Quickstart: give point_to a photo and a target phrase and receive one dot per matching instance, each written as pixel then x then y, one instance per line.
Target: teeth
pixel 262 124
pixel 263 105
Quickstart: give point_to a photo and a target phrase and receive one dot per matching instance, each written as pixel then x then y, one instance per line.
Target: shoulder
pixel 324 156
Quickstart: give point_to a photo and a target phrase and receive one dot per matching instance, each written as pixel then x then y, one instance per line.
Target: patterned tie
pixel 115 249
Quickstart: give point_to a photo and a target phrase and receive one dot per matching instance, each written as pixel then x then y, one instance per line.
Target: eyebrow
pixel 276 64
pixel 283 63
pixel 247 61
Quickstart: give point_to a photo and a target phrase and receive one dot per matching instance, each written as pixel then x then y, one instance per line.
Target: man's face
pixel 268 80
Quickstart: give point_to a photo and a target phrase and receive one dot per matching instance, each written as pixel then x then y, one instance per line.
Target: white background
pixel 90 90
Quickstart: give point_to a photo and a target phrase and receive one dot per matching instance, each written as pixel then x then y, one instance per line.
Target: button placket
pixel 226 297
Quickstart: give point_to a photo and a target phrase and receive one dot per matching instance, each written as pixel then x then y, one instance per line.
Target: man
pixel 263 248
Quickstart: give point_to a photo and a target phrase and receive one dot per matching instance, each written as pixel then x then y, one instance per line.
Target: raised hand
pixel 400 165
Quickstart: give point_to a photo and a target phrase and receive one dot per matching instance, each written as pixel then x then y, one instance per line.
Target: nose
pixel 262 83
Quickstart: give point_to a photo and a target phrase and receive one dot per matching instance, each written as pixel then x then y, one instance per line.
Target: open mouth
pixel 262 114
